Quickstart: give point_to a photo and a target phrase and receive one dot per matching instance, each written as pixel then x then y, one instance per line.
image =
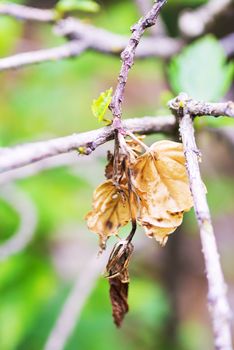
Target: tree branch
pixel 199 108
pixel 107 42
pixel 16 157
pixel 12 158
pixel 217 299
pixel 127 57
pixel 82 36
pixel 28 220
pixel 194 23
pixel 27 13
pixel 70 49
pixel 144 7
pixel 111 44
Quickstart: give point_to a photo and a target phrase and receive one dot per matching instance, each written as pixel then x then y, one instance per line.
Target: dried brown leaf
pixel 161 174
pixel 159 233
pixel 110 210
pixel 161 182
pixel 159 228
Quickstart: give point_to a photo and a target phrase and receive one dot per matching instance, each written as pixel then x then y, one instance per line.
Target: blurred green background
pixel 168 289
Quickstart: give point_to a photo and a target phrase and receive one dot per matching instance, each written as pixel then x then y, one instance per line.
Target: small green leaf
pixel 100 105
pixel 64 6
pixel 201 70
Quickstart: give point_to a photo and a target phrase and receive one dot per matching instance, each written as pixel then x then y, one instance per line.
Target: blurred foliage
pixel 68 6
pixel 54 99
pixel 10 29
pixel 9 220
pixel 202 71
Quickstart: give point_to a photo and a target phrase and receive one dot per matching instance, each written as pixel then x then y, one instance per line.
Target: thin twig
pixel 127 58
pixel 27 13
pixel 83 36
pixel 107 42
pixel 194 22
pixel 217 299
pixel 200 108
pixel 15 157
pixel 142 144
pixel 70 49
pixel 111 44
pixel 144 6
pixel 28 220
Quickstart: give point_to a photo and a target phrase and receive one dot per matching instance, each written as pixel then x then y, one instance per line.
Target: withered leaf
pixel 119 299
pixel 170 165
pixel 159 233
pixel 109 169
pixel 161 182
pixel 160 228
pixel 117 273
pixel 153 188
pixel 110 210
pixel 109 166
pixel 119 260
pixel 162 170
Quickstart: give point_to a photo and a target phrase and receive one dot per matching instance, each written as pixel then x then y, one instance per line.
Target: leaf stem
pixel 142 144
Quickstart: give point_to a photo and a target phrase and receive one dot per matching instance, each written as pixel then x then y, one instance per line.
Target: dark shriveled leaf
pixel 117 273
pixel 119 299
